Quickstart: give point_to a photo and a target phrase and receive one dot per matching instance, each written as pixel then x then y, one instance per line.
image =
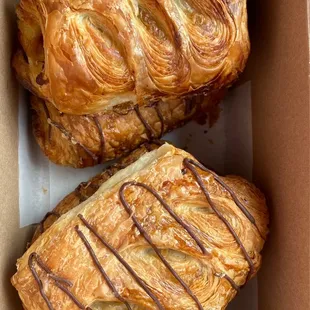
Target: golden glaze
pixel 87 56
pixel 63 252
pixel 122 129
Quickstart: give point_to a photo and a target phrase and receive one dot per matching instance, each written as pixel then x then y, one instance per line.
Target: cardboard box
pixel 279 71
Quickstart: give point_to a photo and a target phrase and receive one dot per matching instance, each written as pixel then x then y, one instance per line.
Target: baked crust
pixel 212 266
pixel 86 189
pixel 82 141
pixel 87 56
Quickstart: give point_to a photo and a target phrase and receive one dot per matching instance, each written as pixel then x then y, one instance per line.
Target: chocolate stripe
pixel 69 136
pixel 229 279
pixel 154 247
pixel 39 282
pixel 58 280
pixel 49 272
pixel 102 139
pixel 148 128
pixel 123 262
pixel 230 191
pixel 169 210
pixel 70 295
pixel 97 263
pixel 189 163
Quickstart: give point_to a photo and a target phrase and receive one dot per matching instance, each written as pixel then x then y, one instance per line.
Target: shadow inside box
pixel 247 298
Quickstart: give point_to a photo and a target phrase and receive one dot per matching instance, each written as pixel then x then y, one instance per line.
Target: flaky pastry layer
pixel 190 237
pixel 87 56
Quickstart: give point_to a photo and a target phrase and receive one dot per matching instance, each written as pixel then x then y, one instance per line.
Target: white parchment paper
pixel 226 148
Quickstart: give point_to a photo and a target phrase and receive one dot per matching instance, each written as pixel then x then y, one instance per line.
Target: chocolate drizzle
pixel 229 279
pixel 97 263
pixel 59 281
pixel 149 240
pixel 102 139
pixel 69 136
pixel 39 282
pixel 71 296
pixel 189 164
pixel 123 262
pixel 148 128
pixel 155 117
pixel 232 194
pixel 45 218
pixel 165 205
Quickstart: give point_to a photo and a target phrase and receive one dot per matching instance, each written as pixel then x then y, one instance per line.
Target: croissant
pixel 87 56
pixel 81 141
pixel 86 189
pixel 163 233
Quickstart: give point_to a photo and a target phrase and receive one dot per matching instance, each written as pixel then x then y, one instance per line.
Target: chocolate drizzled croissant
pixel 163 233
pixel 82 141
pixel 87 56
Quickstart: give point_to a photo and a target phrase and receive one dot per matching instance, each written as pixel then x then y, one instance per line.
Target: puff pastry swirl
pixel 87 56
pixel 163 233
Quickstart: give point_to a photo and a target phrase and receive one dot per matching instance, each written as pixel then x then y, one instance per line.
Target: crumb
pixel 205 131
pixel 210 141
pixel 44 190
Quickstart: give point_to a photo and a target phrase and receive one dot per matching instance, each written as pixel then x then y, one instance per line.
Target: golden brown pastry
pixel 81 141
pixel 163 233
pixel 87 56
pixel 86 189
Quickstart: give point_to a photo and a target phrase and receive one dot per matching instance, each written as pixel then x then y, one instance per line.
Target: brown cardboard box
pixel 279 71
